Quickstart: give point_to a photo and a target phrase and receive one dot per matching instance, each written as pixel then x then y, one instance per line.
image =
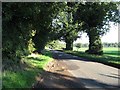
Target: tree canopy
pixel 29 26
pixel 94 18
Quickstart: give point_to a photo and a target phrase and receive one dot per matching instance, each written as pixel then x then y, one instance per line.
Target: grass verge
pixel 105 59
pixel 23 75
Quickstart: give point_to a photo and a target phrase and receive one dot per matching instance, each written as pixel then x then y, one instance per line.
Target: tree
pixel 55 44
pixel 63 24
pixel 94 17
pixel 25 23
pixel 43 22
pixel 118 44
pixel 78 45
pixel 16 29
pixel 85 45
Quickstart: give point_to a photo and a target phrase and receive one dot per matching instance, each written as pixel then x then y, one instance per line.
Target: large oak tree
pixel 94 18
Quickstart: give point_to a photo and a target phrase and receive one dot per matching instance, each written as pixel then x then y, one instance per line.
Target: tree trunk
pixel 95 45
pixel 69 44
pixel 40 41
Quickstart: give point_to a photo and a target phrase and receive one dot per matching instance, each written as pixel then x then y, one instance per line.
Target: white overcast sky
pixel 111 36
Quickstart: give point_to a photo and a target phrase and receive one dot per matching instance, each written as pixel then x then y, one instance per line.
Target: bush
pixel 78 45
pixel 55 45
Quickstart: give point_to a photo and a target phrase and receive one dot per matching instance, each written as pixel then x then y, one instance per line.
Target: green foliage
pixel 31 67
pixel 26 27
pixel 51 21
pixel 55 45
pixel 63 25
pixel 16 21
pixel 105 44
pixel 96 15
pixel 94 18
pixel 46 13
pixel 31 26
pixel 78 45
pixel 82 45
pixel 95 45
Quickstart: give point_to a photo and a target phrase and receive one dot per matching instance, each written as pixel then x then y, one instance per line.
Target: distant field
pixel 111 56
pixel 114 52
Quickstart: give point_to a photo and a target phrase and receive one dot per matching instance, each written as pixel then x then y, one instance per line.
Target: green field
pixel 111 56
pixel 114 52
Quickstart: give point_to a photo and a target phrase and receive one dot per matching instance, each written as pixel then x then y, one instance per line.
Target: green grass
pixel 24 77
pixel 107 51
pixel 114 52
pixel 111 55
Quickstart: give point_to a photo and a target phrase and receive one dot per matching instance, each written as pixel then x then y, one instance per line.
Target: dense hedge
pixel 26 25
pixel 16 29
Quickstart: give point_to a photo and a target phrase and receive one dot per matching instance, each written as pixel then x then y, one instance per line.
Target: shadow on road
pixel 75 82
pixel 61 55
pixel 64 82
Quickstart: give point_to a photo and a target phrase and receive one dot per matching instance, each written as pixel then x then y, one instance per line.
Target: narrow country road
pixel 91 74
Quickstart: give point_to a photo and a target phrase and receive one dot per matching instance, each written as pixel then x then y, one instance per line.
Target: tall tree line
pixel 34 24
pixel 22 22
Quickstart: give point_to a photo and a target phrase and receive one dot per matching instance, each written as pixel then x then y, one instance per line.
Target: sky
pixel 110 37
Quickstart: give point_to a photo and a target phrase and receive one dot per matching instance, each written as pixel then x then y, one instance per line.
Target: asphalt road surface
pixel 91 74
